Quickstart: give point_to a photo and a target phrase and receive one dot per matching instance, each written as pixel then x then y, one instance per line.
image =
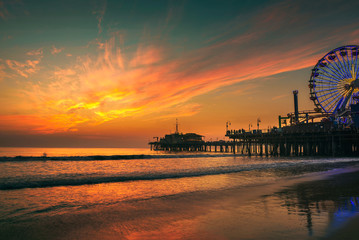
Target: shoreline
pixel 218 214
pixel 111 157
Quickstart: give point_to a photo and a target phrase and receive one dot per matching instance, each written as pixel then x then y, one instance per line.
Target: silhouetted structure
pixel 334 127
pixel 193 146
pixel 179 142
pixel 309 139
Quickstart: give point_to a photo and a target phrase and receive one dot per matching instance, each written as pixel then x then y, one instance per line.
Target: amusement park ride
pixel 334 89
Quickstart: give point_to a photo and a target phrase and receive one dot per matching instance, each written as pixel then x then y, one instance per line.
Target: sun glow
pixel 114 73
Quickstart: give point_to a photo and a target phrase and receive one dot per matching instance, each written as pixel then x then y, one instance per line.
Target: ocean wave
pixel 76 180
pixel 83 180
pixel 109 157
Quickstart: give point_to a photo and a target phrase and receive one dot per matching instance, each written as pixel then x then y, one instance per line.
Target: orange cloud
pixel 55 50
pixel 277 16
pixel 64 72
pixel 2 72
pixel 146 56
pixel 155 81
pixel 23 68
pixel 27 67
pixel 100 12
pixel 34 124
pixel 279 96
pixel 113 85
pixel 36 52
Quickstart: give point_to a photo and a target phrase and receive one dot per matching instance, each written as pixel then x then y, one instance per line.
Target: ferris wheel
pixel 334 83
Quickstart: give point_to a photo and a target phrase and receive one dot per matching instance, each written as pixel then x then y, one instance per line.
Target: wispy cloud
pixel 36 52
pixel 23 68
pixel 151 83
pixel 154 80
pixel 100 12
pixel 29 124
pixel 4 13
pixel 279 96
pixel 2 72
pixel 145 56
pixel 7 37
pixel 28 66
pixel 62 73
pixel 8 9
pixel 55 50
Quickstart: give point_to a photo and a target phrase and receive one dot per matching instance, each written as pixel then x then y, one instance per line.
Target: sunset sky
pixel 117 73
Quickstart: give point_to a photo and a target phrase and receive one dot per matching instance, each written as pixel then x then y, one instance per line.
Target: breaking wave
pixel 110 157
pixel 83 179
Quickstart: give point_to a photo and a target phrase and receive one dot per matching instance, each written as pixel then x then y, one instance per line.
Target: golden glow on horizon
pixel 142 74
pixel 111 85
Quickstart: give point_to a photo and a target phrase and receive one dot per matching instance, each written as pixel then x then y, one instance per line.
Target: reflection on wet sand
pixel 267 209
pixel 337 196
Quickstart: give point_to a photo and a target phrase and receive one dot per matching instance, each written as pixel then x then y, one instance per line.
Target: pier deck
pixel 313 139
pixel 306 140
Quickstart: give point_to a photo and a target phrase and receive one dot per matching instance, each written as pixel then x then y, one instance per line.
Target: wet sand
pixel 311 206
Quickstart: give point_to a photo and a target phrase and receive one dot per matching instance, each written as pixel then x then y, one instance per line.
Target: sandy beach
pixel 318 205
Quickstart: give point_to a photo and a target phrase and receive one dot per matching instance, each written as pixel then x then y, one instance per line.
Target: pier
pixel 208 146
pixel 312 139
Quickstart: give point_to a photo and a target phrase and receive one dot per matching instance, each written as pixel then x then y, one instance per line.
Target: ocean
pixel 139 194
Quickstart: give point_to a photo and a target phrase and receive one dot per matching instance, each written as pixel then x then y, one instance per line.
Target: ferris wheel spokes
pixel 334 82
